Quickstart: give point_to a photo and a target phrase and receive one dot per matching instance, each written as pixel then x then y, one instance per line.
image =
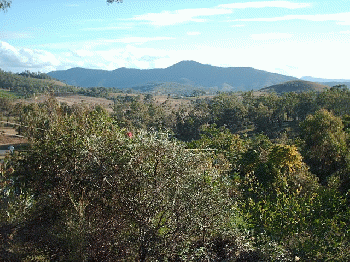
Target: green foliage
pixel 37 75
pixel 27 84
pixel 135 112
pixel 285 205
pixel 9 95
pixel 314 226
pixel 4 4
pixel 101 194
pixel 85 190
pixel 325 143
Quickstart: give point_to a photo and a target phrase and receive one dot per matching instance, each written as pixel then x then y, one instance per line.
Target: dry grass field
pixel 73 99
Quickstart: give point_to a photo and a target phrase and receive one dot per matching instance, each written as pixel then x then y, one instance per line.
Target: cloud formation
pixel 167 18
pixel 14 58
pixel 180 16
pixel 20 59
pixel 265 4
pixel 339 18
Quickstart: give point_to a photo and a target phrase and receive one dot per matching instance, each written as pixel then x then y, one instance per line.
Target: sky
pixel 296 38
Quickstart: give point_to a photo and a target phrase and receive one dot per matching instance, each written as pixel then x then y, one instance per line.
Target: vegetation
pixel 28 84
pixel 235 177
pixel 4 5
pixel 37 75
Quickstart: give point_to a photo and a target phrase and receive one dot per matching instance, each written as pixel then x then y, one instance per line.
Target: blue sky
pixel 297 38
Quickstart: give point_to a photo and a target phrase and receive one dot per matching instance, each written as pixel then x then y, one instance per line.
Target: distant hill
pixel 295 86
pixel 322 80
pixel 188 73
pixel 330 84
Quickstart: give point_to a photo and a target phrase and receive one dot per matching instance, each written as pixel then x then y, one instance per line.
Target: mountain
pixel 188 73
pixel 330 84
pixel 295 86
pixel 321 80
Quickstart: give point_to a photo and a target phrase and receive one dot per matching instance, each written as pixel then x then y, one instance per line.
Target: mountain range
pixel 190 74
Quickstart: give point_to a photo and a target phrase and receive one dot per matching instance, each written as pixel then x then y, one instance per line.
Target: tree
pixel 325 148
pixel 5 4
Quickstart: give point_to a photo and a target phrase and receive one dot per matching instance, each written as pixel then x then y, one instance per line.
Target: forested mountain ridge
pixel 185 72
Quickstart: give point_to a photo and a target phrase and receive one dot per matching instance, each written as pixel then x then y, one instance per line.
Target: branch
pixel 4 4
pixel 112 1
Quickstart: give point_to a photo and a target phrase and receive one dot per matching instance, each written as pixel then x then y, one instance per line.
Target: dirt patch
pixel 9 136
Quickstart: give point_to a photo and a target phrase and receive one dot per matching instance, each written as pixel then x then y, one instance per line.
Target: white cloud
pixel 340 18
pixel 129 56
pixel 265 4
pixel 193 33
pixel 180 16
pixel 167 18
pixel 271 36
pixel 12 58
pixel 136 40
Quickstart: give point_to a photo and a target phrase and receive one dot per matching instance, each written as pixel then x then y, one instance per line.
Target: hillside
pixel 26 85
pixel 295 86
pixel 330 84
pixel 188 73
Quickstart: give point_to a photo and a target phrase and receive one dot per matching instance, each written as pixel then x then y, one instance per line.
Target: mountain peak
pixel 186 63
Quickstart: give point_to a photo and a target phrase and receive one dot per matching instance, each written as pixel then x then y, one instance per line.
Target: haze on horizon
pixel 296 38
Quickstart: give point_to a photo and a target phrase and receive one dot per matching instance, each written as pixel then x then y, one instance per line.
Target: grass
pixel 8 94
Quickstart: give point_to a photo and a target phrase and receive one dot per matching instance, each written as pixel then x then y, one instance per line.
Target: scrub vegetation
pixel 234 177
